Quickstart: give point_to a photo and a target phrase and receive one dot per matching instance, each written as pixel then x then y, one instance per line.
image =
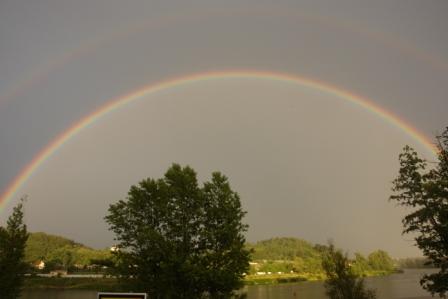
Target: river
pixel 402 285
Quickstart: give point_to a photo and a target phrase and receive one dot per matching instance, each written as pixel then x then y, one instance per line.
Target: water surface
pixel 404 285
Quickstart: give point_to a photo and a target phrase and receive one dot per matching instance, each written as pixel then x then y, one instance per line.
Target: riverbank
pixel 273 279
pixel 72 283
pixel 109 284
pixel 400 285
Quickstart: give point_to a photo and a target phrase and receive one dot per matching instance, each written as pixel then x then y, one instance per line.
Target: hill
pixel 274 255
pixel 60 251
pixel 41 245
pixel 292 255
pixel 283 249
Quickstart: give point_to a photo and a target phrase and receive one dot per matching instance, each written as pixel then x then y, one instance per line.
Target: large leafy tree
pixel 180 240
pixel 342 281
pixel 12 251
pixel 425 190
pixel 380 260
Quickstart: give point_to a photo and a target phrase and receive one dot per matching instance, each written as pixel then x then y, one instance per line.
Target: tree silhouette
pixel 342 282
pixel 425 191
pixel 12 250
pixel 179 240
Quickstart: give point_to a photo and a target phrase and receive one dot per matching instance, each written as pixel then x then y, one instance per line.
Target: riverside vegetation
pixel 277 260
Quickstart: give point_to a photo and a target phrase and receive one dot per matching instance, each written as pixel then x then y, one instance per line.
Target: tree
pixel 12 251
pixel 60 253
pixel 425 191
pixel 342 282
pixel 63 257
pixel 360 264
pixel 179 240
pixel 41 246
pixel 380 260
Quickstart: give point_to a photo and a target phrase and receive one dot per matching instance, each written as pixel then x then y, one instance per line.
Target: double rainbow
pixel 115 104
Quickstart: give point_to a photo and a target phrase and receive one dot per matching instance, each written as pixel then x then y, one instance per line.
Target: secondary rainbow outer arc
pixel 115 104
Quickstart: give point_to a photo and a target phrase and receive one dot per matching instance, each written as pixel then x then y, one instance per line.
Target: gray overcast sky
pixel 306 163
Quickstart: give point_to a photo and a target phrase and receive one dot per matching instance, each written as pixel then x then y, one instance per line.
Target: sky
pixel 306 162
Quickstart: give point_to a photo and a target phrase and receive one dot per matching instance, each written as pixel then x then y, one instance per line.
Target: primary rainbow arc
pixel 115 104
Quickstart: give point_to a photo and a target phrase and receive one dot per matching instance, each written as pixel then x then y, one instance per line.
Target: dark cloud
pixel 306 164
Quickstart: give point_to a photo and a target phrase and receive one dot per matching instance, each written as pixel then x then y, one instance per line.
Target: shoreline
pixel 111 284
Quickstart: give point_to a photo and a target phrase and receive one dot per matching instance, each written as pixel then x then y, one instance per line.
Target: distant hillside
pixel 283 249
pixel 41 245
pixel 288 255
pixel 414 263
pixel 274 255
pixel 60 250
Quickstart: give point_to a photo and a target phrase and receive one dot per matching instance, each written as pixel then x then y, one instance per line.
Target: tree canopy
pixel 12 250
pixel 40 246
pixel 342 282
pixel 300 256
pixel 425 190
pixel 282 249
pixel 61 253
pixel 380 260
pixel 179 240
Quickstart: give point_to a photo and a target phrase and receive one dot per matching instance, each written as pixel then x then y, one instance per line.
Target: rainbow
pixel 119 102
pixel 34 77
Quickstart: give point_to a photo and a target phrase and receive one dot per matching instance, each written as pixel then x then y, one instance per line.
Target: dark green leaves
pixel 178 240
pixel 12 251
pixel 426 192
pixel 342 282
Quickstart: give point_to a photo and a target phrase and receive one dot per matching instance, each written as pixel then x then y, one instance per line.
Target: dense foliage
pixel 282 249
pixel 288 255
pixel 425 191
pixel 342 282
pixel 41 246
pixel 179 240
pixel 61 253
pixel 380 260
pixel 12 247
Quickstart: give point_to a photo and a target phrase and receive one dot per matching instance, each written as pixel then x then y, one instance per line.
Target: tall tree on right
pixel 425 190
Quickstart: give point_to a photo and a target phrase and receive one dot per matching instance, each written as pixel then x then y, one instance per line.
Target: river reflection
pixel 405 285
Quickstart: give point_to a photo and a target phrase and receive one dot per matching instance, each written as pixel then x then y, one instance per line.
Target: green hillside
pixel 283 249
pixel 60 252
pixel 41 245
pixel 292 255
pixel 285 255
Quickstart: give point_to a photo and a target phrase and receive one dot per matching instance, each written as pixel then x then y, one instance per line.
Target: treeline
pixel 59 253
pixel 414 263
pixel 291 255
pixel 284 255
